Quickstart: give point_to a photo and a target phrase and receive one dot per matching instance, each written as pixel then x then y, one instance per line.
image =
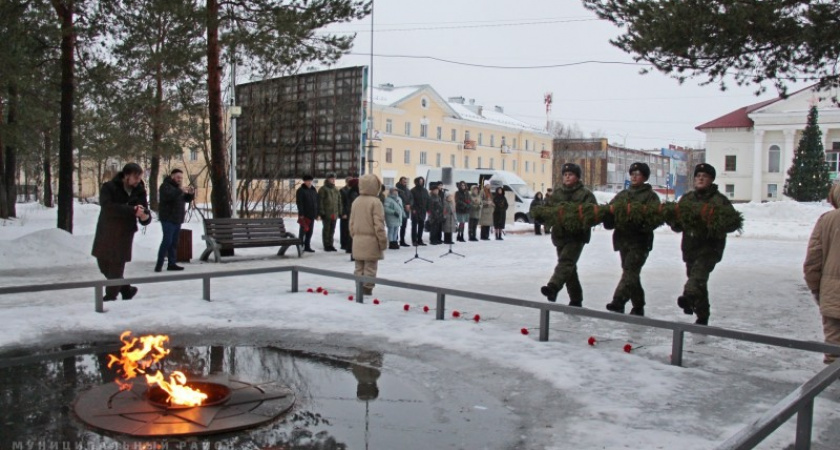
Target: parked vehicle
pixel 522 193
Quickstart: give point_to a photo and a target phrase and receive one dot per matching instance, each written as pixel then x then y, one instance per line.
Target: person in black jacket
pixel 500 206
pixel 173 198
pixel 123 202
pixel 419 207
pixel 306 198
pixel 405 195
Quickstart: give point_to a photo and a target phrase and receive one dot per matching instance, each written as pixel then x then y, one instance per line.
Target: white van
pixel 508 180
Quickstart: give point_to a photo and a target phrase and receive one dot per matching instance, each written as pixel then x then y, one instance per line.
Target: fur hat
pixel 705 168
pixel 307 178
pixel 330 175
pixel 641 167
pixel 571 167
pixel 834 195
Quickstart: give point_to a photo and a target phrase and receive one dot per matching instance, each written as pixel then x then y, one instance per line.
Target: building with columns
pixel 753 147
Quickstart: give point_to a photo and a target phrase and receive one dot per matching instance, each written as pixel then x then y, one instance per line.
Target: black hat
pixel 132 168
pixel 705 168
pixel 307 178
pixel 641 167
pixel 330 175
pixel 434 185
pixel 571 167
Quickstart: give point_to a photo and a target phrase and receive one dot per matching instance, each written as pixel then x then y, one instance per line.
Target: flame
pixel 136 360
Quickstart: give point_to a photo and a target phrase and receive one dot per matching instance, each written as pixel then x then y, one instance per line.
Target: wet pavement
pixel 347 396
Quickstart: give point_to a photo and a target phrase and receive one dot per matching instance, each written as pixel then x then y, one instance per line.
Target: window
pixel 492 140
pixel 514 143
pixel 503 164
pixel 730 165
pixel 774 159
pixel 454 135
pixel 408 128
pixel 388 155
pixel 389 126
pixel 437 160
pixel 527 163
pixel 480 138
pixel 491 163
pixel 503 141
pixel 730 190
pixel 424 103
pixel 772 190
pixel 388 181
pixel 424 130
pixel 543 146
pixel 466 162
pixel 527 145
pixel 467 135
pixel 833 161
pixel 452 161
pixel 422 157
pixel 514 165
pixel 193 155
pixel 479 163
pixel 543 168
pixel 439 133
pixel 408 156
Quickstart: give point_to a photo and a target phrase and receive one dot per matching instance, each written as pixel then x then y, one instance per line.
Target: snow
pixel 611 399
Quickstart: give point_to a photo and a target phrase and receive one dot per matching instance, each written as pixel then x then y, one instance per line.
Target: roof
pixel 740 118
pixel 737 119
pixel 394 95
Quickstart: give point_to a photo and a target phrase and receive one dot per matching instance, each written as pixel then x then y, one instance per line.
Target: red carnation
pixel 349 297
pixel 456 314
pixel 406 307
pixel 376 301
pixel 320 289
pixel 591 340
pixel 476 317
pixel 627 348
pixel 309 290
pixel 425 309
pixel 524 331
pixel 325 292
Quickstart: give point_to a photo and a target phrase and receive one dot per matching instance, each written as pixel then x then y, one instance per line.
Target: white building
pixel 752 147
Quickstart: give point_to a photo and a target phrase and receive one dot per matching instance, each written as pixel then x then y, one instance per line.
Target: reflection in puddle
pixel 347 399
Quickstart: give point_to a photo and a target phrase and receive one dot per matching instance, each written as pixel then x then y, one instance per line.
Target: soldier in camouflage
pixel 569 246
pixel 329 208
pixel 701 253
pixel 633 241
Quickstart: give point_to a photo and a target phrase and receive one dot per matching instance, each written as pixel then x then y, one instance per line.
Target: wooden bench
pixel 245 233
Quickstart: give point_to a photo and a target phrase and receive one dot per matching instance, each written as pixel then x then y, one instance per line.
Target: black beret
pixel 307 178
pixel 571 167
pixel 641 167
pixel 705 168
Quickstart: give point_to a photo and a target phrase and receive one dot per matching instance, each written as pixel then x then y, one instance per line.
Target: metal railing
pixel 800 401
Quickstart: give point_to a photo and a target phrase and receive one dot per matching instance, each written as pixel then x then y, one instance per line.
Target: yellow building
pixel 415 129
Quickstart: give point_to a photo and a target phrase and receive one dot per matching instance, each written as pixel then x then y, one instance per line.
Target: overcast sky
pixel 639 111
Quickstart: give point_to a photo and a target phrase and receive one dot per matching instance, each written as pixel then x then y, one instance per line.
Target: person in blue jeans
pixel 173 197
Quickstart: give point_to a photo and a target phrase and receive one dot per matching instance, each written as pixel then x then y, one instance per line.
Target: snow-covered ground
pixel 613 399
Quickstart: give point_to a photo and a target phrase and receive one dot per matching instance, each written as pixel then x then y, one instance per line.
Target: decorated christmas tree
pixel 808 176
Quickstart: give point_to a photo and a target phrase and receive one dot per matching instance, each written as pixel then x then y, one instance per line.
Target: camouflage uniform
pixel 329 208
pixel 701 254
pixel 633 243
pixel 569 246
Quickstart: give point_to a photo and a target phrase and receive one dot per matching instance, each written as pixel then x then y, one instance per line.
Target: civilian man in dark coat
pixel 123 202
pixel 405 195
pixel 419 206
pixel 173 198
pixel 307 206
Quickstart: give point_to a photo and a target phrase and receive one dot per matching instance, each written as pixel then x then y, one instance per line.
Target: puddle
pixel 346 398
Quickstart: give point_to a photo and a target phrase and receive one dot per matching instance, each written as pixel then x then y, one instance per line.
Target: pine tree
pixel 808 176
